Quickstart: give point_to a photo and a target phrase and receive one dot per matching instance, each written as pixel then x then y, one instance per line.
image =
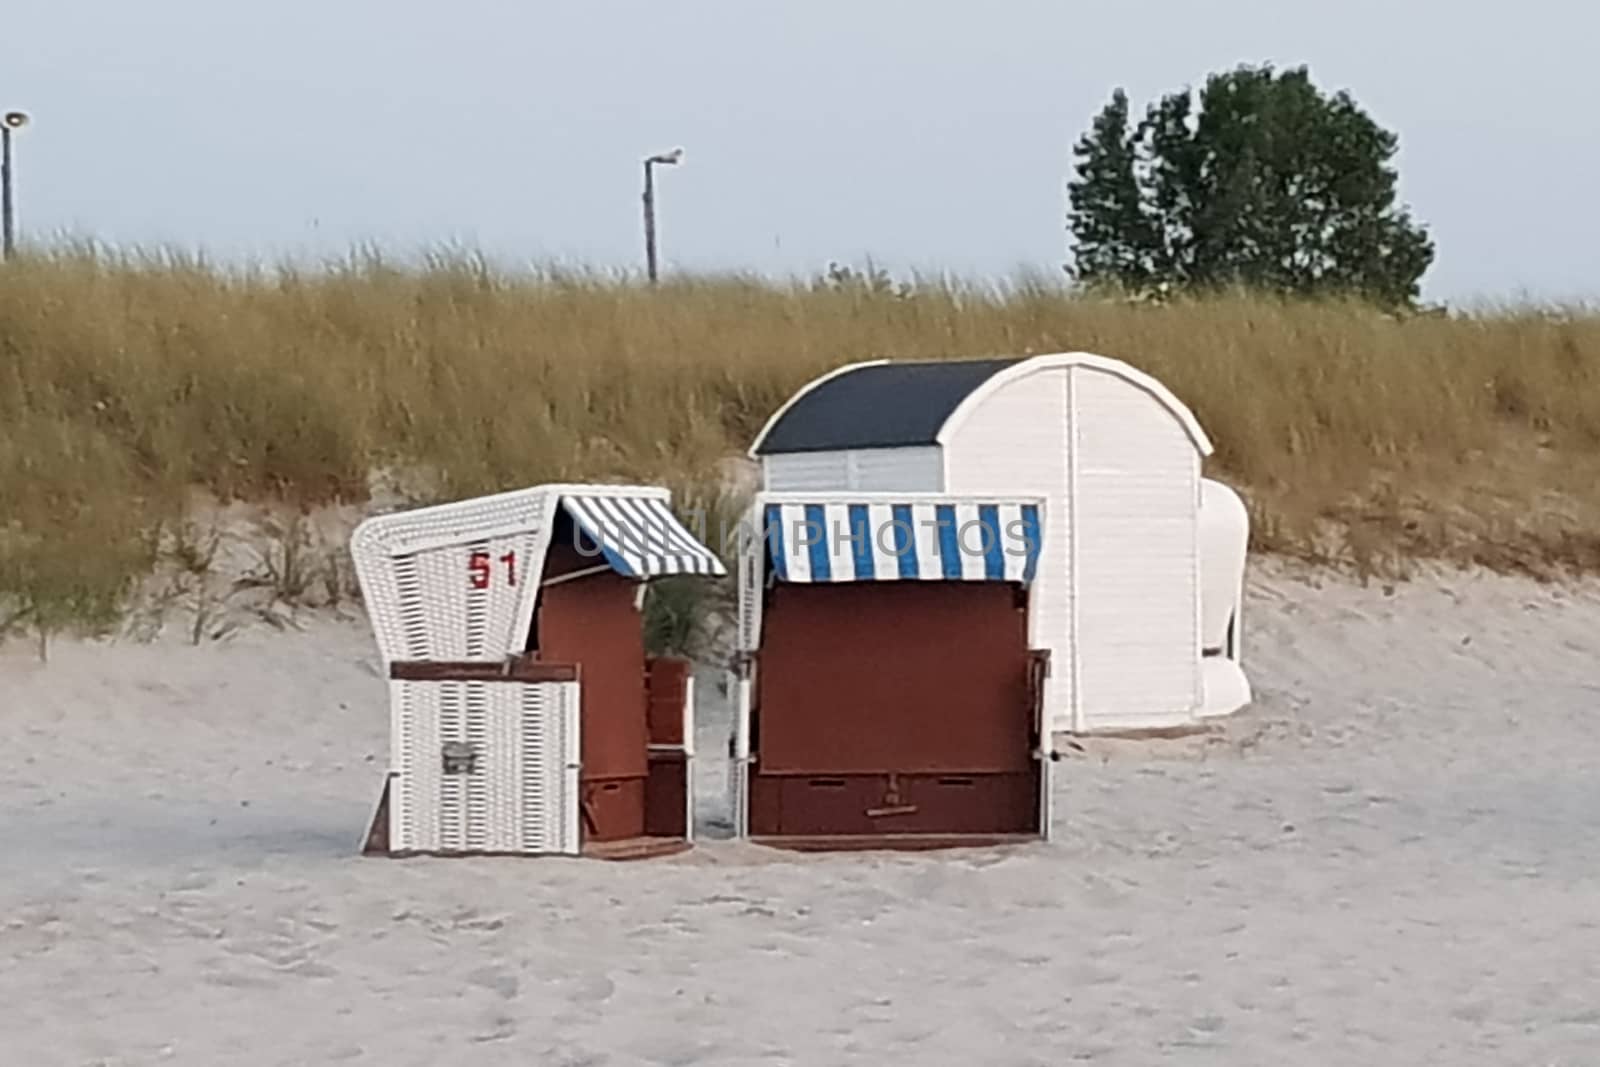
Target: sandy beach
pixel 1391 858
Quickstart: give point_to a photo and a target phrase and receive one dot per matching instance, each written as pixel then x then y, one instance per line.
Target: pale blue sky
pixel 926 133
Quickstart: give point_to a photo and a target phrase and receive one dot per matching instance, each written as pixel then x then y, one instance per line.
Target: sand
pixel 1391 858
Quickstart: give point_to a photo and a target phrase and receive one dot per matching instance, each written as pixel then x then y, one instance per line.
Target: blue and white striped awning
pixel 637 535
pixel 923 540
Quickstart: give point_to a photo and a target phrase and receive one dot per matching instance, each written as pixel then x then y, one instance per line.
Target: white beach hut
pixel 526 717
pixel 1139 586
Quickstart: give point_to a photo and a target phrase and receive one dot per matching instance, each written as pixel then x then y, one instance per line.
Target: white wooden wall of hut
pixel 906 470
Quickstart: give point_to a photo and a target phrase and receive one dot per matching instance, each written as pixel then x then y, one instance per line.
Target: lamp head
pixel 15 120
pixel 670 159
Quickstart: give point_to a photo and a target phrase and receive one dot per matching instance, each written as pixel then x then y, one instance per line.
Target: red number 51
pixel 479 571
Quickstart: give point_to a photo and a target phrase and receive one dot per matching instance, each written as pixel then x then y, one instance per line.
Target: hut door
pixel 1134 513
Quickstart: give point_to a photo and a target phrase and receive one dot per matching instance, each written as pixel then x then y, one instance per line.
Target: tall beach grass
pixel 128 382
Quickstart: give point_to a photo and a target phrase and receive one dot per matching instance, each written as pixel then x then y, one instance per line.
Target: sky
pixel 927 134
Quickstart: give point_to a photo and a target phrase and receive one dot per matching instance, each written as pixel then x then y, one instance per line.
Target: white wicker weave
pixel 414 807
pixel 688 756
pixel 424 596
pixel 521 795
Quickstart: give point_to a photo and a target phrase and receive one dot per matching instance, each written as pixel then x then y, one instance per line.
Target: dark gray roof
pixel 885 405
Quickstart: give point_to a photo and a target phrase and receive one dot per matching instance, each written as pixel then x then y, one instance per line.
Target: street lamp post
pixel 667 159
pixel 13 120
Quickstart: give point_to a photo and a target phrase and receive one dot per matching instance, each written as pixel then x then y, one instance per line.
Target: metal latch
pixel 458 757
pixel 893 803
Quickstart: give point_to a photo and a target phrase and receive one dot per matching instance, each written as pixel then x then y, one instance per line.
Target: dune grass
pixel 127 382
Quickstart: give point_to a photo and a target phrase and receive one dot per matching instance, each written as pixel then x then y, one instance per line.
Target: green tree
pixel 1268 183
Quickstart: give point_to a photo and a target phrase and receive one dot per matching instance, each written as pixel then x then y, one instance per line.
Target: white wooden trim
pixel 573 787
pixel 884 496
pixel 1047 762
pixel 1198 577
pixel 944 465
pixel 1000 379
pixel 1074 529
pixel 688 714
pixel 741 731
pixel 739 798
pixel 688 756
pixel 1236 624
pixel 739 765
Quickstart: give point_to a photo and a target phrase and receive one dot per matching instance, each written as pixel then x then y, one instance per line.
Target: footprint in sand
pixel 569 1058
pixel 235 980
pixel 593 990
pixel 499 1027
pixel 496 980
pixel 679 1053
pixel 311 969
